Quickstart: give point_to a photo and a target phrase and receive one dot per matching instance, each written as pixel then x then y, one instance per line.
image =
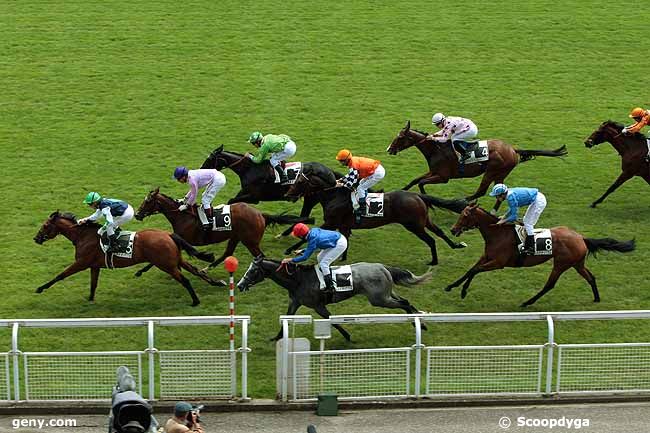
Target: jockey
pixel 457 129
pixel 332 244
pixel 116 213
pixel 518 197
pixel 364 171
pixel 213 180
pixel 281 148
pixel 641 118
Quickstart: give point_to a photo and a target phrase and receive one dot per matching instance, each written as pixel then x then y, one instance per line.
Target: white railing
pixel 65 375
pixel 460 371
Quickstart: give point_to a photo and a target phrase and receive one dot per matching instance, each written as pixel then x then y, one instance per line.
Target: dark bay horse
pixel 409 209
pixel 157 247
pixel 631 147
pixel 443 162
pixel 248 225
pixel 570 250
pixel 373 280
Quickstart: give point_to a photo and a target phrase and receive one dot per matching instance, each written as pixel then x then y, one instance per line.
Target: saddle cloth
pixel 123 246
pixel 477 151
pixel 341 277
pixel 292 170
pixel 543 240
pixel 222 218
pixel 375 204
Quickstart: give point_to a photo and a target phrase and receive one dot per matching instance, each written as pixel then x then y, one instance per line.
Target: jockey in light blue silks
pixel 116 213
pixel 516 198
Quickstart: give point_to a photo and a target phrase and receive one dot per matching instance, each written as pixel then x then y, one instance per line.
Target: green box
pixel 328 404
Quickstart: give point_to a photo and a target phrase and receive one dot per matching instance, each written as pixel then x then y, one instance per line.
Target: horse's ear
pixel 259 258
pixel 157 190
pixel 473 204
pixel 408 125
pixel 219 149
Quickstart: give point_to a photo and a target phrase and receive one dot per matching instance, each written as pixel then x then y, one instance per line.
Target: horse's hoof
pixel 220 283
pixel 40 290
pixel 524 305
pixel 287 252
pixel 597 300
pixel 463 294
pixel 195 303
pixel 461 245
pixel 138 274
pixel 432 263
pixel 91 301
pixel 593 205
pixel 448 288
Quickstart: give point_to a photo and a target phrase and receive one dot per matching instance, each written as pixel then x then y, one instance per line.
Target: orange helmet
pixel 343 155
pixel 637 112
pixel 300 230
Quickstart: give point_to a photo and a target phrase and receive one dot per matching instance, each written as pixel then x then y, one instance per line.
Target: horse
pixel 570 250
pixel 443 162
pixel 248 225
pixel 373 280
pixel 258 180
pixel 631 147
pixel 400 207
pixel 158 247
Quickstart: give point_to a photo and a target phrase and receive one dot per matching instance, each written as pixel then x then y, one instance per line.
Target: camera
pixel 196 411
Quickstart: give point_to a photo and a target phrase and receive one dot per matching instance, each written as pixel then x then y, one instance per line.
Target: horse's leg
pixel 587 275
pixel 424 236
pixel 294 247
pixel 483 186
pixel 230 248
pixel 293 307
pixel 202 275
pixel 325 314
pixel 436 178
pixel 416 180
pixel 143 270
pixel 483 267
pixel 175 272
pixel 465 275
pixel 552 279
pixel 94 278
pixel 308 205
pixel 441 234
pixel 624 177
pixel 243 197
pixel 70 270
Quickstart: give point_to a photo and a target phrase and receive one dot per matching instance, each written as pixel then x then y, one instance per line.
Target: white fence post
pixel 244 359
pixel 151 349
pixel 285 358
pixel 418 355
pixel 16 354
pixel 549 358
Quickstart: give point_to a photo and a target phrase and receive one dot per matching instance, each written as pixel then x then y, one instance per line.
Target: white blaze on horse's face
pixel 243 278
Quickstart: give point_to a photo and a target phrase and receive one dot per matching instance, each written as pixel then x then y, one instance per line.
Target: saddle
pixel 476 151
pixel 122 245
pixel 543 241
pixel 222 220
pixel 341 277
pixel 291 169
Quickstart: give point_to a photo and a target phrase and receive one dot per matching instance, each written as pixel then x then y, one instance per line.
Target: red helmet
pixel 300 230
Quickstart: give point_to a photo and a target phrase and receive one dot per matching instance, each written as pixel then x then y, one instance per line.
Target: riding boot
pixel 282 174
pixel 529 246
pixel 464 154
pixel 357 215
pixel 112 243
pixel 329 284
pixel 363 208
pixel 210 216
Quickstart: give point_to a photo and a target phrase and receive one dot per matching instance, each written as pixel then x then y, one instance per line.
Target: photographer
pixel 185 419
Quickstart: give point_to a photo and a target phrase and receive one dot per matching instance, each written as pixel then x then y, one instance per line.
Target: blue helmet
pixel 180 172
pixel 498 189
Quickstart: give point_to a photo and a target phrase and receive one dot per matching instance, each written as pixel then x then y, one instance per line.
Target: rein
pixel 285 266
pixel 237 162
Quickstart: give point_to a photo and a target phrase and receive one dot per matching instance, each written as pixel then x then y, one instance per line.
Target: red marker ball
pixel 231 264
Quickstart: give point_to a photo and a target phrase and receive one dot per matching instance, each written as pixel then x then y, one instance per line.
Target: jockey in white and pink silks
pixel 457 129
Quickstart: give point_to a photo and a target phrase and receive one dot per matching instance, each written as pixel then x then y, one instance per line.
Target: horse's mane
pixel 71 217
pixel 421 132
pixel 619 126
pixel 488 213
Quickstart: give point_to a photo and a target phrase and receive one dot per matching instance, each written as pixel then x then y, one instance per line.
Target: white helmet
pixel 437 118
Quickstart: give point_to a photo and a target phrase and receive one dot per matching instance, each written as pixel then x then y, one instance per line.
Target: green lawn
pixel 110 96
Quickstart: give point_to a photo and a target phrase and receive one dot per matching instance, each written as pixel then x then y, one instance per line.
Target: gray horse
pixel 373 280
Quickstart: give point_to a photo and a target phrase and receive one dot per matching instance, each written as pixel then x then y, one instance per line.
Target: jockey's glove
pixel 182 207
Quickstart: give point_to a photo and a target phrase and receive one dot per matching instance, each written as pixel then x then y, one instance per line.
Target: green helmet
pixel 255 137
pixel 92 197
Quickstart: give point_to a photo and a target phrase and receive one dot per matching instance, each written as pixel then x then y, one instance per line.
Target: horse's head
pixel 216 159
pixel 149 206
pixel 305 185
pixel 51 227
pixel 253 275
pixel 406 138
pixel 467 220
pixel 607 131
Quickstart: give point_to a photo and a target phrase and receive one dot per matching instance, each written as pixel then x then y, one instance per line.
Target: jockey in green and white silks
pixel 115 212
pixel 281 147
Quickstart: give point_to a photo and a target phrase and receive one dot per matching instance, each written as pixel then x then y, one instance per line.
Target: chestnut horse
pixel 443 162
pixel 248 225
pixel 160 248
pixel 570 250
pixel 631 147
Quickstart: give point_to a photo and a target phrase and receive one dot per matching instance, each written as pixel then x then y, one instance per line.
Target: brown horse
pixel 443 162
pixel 631 147
pixel 400 207
pixel 570 250
pixel 160 248
pixel 248 225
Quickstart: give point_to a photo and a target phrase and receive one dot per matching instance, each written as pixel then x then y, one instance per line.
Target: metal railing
pixel 461 371
pixel 89 375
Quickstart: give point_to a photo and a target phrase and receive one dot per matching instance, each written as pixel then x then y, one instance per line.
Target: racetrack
pixel 110 96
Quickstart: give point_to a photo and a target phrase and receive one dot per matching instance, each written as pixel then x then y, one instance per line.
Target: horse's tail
pixel 286 219
pixel 404 277
pixel 609 244
pixel 528 155
pixel 454 205
pixel 184 245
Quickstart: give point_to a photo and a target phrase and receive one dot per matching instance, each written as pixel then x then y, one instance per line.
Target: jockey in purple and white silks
pixel 213 180
pixel 457 129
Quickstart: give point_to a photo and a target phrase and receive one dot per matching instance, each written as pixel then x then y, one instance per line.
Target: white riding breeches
pixel 533 212
pixel 468 135
pixel 118 221
pixel 286 153
pixel 326 257
pixel 365 184
pixel 212 189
